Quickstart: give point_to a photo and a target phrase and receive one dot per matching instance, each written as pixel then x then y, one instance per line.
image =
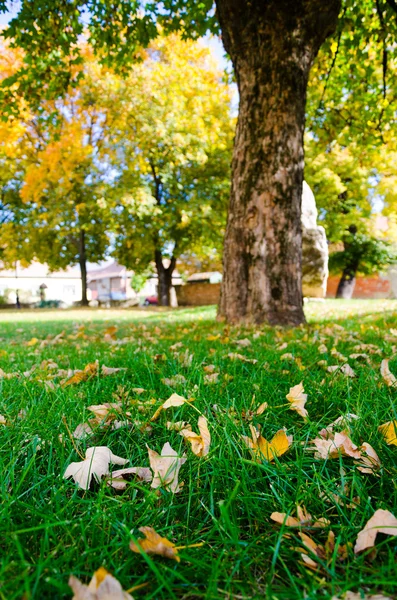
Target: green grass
pixel 50 529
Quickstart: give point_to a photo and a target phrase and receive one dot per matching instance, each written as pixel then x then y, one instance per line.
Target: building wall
pixel 376 286
pixel 198 294
pixel 67 289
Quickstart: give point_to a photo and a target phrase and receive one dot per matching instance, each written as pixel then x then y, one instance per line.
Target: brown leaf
pixel 345 369
pixel 111 370
pixel 369 461
pixel 200 443
pixel 297 398
pixel 340 443
pixel 357 596
pixel 382 521
pixel 102 586
pixel 153 543
pixel 174 381
pixel 89 371
pixel 304 519
pixel 387 375
pixel 166 468
pixel 237 356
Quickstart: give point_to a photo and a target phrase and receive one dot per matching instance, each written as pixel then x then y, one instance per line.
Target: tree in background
pixel 172 152
pixel 272 46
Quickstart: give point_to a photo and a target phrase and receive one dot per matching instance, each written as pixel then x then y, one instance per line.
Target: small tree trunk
pixel 164 276
pixel 272 45
pixel 83 268
pixel 346 284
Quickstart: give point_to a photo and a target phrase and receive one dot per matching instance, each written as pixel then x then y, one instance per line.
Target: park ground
pixel 51 529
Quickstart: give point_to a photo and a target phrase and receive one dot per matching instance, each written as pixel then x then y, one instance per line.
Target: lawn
pixel 220 518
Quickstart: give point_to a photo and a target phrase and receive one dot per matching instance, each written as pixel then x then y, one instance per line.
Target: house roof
pixel 37 270
pixel 111 270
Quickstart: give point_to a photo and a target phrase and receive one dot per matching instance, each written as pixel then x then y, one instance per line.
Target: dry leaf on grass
pixel 153 543
pixel 200 443
pixel 119 479
pixel 304 519
pixel 297 398
pixel 111 370
pixel 96 464
pixel 261 448
pixel 387 375
pixel 245 343
pixel 107 411
pixel 89 371
pixel 174 381
pixel 3 420
pixel 357 596
pixel 325 553
pixel 102 586
pixel 237 356
pixel 82 431
pixel 345 369
pixel 340 443
pixel 343 419
pixel 211 378
pixel 166 468
pixel 174 400
pixel 369 461
pixel 177 425
pixel 382 521
pixel 389 432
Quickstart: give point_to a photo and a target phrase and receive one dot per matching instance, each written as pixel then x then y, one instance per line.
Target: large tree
pixel 172 148
pixel 272 44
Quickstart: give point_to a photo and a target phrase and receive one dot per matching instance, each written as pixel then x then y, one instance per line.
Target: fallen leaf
pixel 237 356
pixel 166 468
pixel 119 479
pixel 324 553
pixel 178 425
pixel 345 369
pixel 32 342
pixel 344 419
pixel 387 375
pixel 211 378
pixel 304 519
pixel 200 443
pixel 82 431
pixel 111 370
pixel 3 420
pixel 369 461
pixel 174 400
pixel 96 463
pixel 245 343
pixel 153 543
pixel 89 371
pixel 382 521
pixel 339 444
pixel 174 381
pixel 357 596
pixel 389 432
pixel 107 411
pixel 102 586
pixel 260 447
pixel 297 398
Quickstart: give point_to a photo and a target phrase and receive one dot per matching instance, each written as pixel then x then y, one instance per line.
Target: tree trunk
pixel 164 278
pixel 272 44
pixel 346 285
pixel 83 268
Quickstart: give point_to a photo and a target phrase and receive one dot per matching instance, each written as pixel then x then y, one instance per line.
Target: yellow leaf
pixel 153 543
pixel 304 519
pixel 389 432
pixel 102 585
pixel 260 447
pixel 297 398
pixel 200 443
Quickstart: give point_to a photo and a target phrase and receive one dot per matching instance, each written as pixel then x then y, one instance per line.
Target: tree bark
pixel 164 276
pixel 346 285
pixel 272 44
pixel 83 268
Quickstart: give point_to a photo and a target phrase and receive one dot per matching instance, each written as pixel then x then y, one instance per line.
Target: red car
pixel 151 300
